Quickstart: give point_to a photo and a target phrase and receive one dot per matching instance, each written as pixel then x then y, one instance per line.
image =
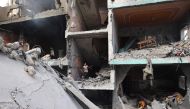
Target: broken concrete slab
pixel 101 33
pixel 19 90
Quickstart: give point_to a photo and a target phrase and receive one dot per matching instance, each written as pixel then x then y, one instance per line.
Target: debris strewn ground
pixel 179 49
pixel 103 77
pixel 168 102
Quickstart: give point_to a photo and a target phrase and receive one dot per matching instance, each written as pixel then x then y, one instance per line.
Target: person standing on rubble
pixel 85 70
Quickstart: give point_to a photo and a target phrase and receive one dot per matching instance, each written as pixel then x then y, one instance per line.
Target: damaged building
pixel 148 47
pixel 116 54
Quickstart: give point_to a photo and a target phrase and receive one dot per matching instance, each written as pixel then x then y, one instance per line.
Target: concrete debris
pixel 98 81
pixel 179 49
pixel 157 105
pixel 176 99
pixel 28 95
pixel 14 55
pixel 170 102
pixel 103 77
pixel 104 72
pixel 20 91
pixel 30 70
pixel 20 51
pixel 157 52
pixel 32 56
pixel 55 62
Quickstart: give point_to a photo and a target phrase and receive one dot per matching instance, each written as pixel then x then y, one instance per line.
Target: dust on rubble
pixel 177 49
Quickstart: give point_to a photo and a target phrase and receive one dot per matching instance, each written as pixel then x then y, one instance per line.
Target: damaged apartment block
pixel 149 47
pixel 115 54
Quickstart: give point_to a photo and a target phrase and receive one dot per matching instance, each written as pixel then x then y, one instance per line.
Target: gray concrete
pixel 113 41
pixel 19 90
pixel 102 33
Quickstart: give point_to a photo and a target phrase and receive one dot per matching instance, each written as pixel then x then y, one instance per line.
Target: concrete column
pixel 186 69
pixel 121 73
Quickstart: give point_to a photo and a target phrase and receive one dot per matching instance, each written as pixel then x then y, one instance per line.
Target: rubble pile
pixel 20 50
pixel 179 49
pixel 169 102
pixel 103 77
pixel 20 91
pixel 55 62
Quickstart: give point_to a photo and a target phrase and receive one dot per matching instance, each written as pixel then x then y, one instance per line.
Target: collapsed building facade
pixel 120 53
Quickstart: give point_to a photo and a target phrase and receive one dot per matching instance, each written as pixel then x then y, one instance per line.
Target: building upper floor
pixel 21 10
